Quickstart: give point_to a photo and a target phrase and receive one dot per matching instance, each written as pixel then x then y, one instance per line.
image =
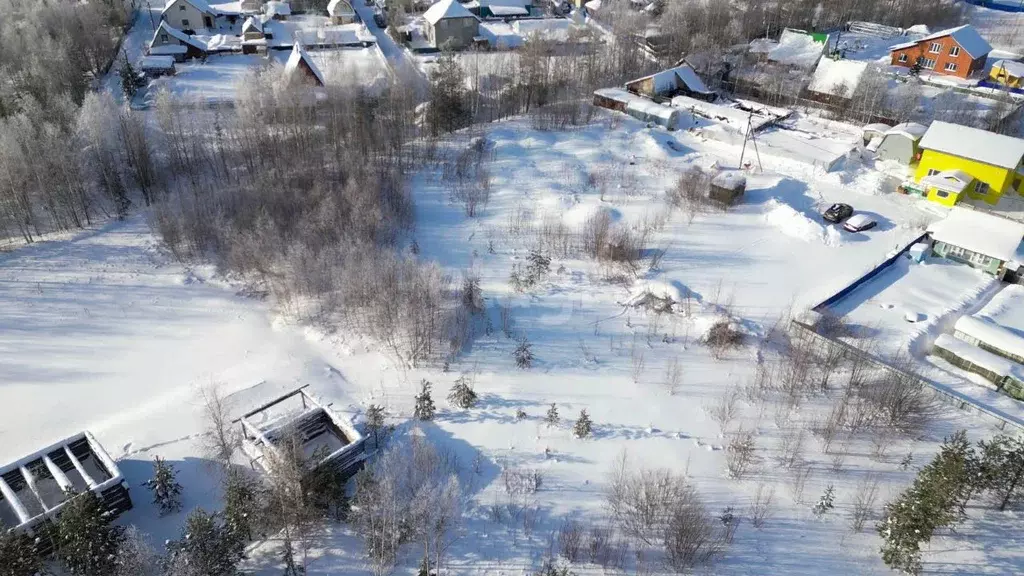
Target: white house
pixel 198 15
pixel 169 41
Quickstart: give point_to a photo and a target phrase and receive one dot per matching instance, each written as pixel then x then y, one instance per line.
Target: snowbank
pixel 578 215
pixel 796 224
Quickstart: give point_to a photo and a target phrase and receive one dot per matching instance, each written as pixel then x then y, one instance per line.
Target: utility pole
pixel 749 135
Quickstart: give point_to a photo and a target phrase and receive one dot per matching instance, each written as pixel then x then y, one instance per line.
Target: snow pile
pixel 798 225
pixel 579 214
pixel 644 292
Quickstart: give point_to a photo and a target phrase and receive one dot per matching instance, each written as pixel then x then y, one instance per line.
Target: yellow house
pixel 1008 73
pixel 952 154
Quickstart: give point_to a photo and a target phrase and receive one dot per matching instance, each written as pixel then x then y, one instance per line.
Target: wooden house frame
pixel 317 426
pixel 34 488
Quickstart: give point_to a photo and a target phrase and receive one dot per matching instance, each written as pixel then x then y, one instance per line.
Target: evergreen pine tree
pixel 462 394
pixel 242 506
pixel 425 408
pixel 205 547
pixel 583 425
pixel 523 354
pixel 85 538
pixel 448 110
pixel 130 81
pixel 552 416
pixel 375 421
pixel 18 554
pixel 165 488
pixel 1002 464
pixel 826 502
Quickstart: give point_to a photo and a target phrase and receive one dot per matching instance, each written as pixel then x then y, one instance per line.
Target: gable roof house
pixel 300 68
pixel 959 52
pixel 341 12
pixel 450 25
pixel 995 162
pixel 198 15
pixel 252 29
pixel 989 243
pixel 169 41
pixel 679 81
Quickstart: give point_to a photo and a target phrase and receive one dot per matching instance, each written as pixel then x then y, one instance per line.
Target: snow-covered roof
pixel 911 130
pixel 227 9
pixel 276 8
pixel 837 77
pixel 252 23
pixel 298 57
pixel 499 10
pixel 878 128
pixel 446 9
pixel 177 34
pixel 1012 67
pixel 979 357
pixel 966 36
pixel 157 62
pixel 992 334
pixel 796 48
pixel 500 35
pixel 979 232
pixel 948 180
pixel 652 108
pixel 171 49
pixel 518 3
pixel 344 35
pixel 542 25
pixel 974 144
pixel 666 80
pixel 340 8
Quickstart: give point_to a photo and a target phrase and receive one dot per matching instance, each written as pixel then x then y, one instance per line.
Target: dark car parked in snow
pixel 838 212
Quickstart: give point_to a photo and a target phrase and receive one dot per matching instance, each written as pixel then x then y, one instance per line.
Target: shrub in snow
pixel 740 454
pixel 722 337
pixel 166 490
pixel 85 539
pixel 583 426
pixel 462 394
pixel 523 354
pixel 520 414
pixel 134 556
pixel 206 548
pixel 825 503
pixel 18 556
pixel 691 537
pixel 552 416
pixel 424 409
pixel 472 297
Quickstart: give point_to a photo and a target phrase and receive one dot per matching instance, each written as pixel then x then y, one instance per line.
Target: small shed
pixel 277 10
pixel 252 29
pixel 155 66
pixel 1009 73
pixel 945 187
pixel 341 12
pixel 727 187
pixel 36 487
pixel 640 108
pixel 873 131
pixel 900 143
pixel 682 80
pixel 324 436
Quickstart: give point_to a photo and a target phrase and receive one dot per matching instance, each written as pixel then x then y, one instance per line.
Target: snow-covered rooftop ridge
pixel 157 62
pixel 252 22
pixel 949 180
pixel 837 77
pixel 177 34
pixel 974 144
pixel 991 334
pixel 1012 67
pixel 966 36
pixel 730 179
pixel 979 232
pixel 911 130
pixel 446 9
pixel 277 8
pixel 980 357
pixel 297 57
pixel 225 9
pixel 340 7
pixel 666 79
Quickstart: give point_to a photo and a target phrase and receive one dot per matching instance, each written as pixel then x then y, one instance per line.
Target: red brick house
pixel 959 51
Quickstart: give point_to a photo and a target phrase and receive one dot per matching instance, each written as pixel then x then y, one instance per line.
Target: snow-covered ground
pixel 102 332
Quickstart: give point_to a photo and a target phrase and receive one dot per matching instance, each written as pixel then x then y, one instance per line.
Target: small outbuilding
pixel 638 107
pixel 873 131
pixel 450 25
pixel 1009 73
pixel 155 66
pixel 900 143
pixel 682 80
pixel 341 12
pixel 252 29
pixel 984 241
pixel 301 68
pixel 276 10
pixel 945 187
pixel 728 187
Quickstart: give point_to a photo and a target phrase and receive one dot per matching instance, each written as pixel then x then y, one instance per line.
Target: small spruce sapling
pixel 165 488
pixel 825 503
pixel 85 538
pixel 552 416
pixel 462 394
pixel 520 414
pixel 18 555
pixel 425 408
pixel 583 426
pixel 523 354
